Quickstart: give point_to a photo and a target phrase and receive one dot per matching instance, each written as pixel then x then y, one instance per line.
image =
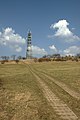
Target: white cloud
pixel 62 28
pixel 16 48
pixel 53 48
pixel 72 50
pixel 9 38
pixel 38 51
pixel 63 32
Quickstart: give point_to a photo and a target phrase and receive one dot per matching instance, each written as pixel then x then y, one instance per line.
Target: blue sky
pixel 55 26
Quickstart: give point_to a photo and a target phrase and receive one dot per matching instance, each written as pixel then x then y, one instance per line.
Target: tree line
pixel 13 57
pixel 4 59
pixel 58 57
pixel 45 58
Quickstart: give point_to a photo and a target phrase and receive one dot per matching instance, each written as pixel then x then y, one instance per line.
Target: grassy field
pixel 67 72
pixel 22 98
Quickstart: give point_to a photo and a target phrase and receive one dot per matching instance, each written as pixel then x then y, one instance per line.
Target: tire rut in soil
pixel 61 109
pixel 62 86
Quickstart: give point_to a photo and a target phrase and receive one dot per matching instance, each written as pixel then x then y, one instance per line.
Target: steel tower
pixel 29 49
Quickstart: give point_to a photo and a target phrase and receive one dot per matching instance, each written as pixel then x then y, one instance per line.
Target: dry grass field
pixel 40 91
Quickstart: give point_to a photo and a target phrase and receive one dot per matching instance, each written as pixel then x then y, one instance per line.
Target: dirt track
pixel 64 87
pixel 58 105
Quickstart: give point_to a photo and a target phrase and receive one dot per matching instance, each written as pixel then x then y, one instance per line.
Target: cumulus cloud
pixel 63 32
pixel 17 48
pixel 38 51
pixel 53 48
pixel 72 50
pixel 8 37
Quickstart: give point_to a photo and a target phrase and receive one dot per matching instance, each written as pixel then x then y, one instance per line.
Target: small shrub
pixel 35 60
pixel 40 60
pixel 17 61
pixel 2 62
pixel 44 59
pixel 76 60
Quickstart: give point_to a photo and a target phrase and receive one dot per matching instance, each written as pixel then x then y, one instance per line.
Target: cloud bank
pixel 38 51
pixel 53 49
pixel 72 50
pixel 9 38
pixel 63 32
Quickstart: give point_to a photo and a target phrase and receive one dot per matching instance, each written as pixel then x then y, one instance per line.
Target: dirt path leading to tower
pixel 63 86
pixel 58 105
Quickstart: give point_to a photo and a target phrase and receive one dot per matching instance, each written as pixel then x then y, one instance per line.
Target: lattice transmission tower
pixel 29 46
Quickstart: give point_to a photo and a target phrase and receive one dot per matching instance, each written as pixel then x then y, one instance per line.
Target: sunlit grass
pixel 21 97
pixel 67 72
